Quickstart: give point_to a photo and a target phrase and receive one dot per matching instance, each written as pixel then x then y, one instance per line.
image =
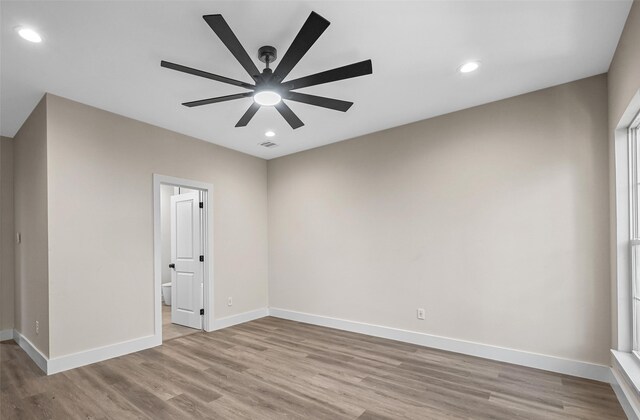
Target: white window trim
pixel 634 229
pixel 632 150
pixel 623 241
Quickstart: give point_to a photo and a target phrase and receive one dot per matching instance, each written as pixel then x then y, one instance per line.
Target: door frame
pixel 208 280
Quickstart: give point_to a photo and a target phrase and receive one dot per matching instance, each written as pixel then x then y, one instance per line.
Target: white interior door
pixel 186 249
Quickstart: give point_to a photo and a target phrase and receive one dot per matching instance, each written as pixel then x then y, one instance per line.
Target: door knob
pixel 172 265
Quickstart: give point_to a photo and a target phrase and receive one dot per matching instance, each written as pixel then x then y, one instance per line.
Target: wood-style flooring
pixel 171 331
pixel 277 369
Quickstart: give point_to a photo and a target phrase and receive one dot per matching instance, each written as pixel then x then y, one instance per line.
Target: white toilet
pixel 166 293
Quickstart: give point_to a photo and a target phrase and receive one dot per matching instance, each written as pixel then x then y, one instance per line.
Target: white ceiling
pixel 107 54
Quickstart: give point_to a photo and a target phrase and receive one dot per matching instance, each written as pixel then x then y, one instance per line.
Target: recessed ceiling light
pixel 269 133
pixel 267 98
pixel 29 34
pixel 469 67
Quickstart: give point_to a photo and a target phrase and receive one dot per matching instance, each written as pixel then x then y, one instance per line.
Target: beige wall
pixel 494 219
pixel 6 234
pixel 623 83
pixel 31 256
pixel 624 73
pixel 101 223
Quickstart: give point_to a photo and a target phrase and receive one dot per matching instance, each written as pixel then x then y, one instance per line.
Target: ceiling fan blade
pixel 205 74
pixel 322 101
pixel 345 72
pixel 248 115
pixel 314 26
pixel 228 38
pixel 218 99
pixel 288 115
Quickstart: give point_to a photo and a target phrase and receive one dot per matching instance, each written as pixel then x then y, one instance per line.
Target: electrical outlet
pixel 229 301
pixel 37 327
pixel 420 313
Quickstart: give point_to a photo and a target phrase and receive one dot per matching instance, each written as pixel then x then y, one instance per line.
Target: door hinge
pixel 201 311
pixel 201 205
pixel 201 258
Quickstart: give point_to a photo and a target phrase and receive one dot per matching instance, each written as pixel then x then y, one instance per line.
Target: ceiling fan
pixel 269 88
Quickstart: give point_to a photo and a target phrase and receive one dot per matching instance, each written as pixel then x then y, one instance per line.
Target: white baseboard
pixel 31 350
pixel 71 361
pixel 239 318
pixel 6 335
pixel 518 357
pixel 62 363
pixel 538 361
pixel 83 358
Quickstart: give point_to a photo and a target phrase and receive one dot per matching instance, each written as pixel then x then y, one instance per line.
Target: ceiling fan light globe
pixel 267 98
pixel 469 67
pixel 29 34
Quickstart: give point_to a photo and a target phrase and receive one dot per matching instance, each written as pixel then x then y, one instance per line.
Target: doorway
pixel 182 264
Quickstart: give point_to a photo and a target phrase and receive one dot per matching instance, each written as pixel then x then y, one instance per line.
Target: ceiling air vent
pixel 267 144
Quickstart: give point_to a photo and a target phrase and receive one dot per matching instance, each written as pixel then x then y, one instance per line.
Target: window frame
pixel 633 139
pixel 625 363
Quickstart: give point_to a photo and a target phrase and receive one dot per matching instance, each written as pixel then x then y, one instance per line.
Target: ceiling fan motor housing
pixel 267 54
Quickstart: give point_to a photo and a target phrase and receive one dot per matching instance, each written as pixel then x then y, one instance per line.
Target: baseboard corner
pixel 32 351
pixel 6 334
pixel 241 318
